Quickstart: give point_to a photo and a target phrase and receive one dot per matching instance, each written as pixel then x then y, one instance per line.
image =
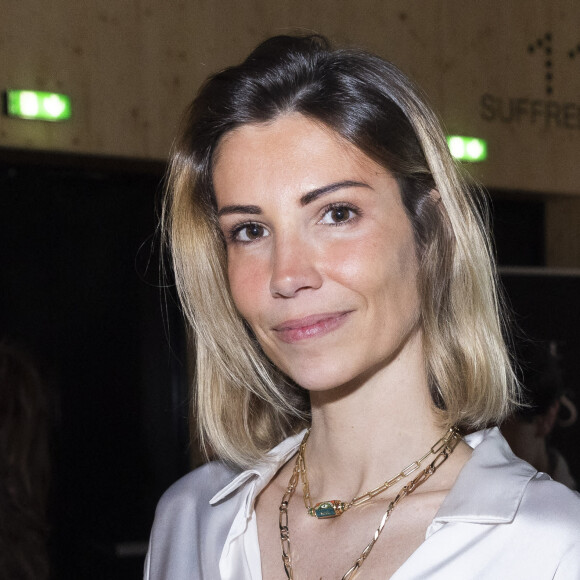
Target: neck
pixel 365 432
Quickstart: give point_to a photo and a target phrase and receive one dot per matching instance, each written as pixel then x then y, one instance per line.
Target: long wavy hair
pixel 243 404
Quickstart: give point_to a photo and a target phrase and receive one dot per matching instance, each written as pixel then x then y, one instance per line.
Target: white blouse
pixel 501 520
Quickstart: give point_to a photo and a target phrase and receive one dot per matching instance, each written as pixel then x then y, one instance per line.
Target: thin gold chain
pixel 443 448
pixel 340 506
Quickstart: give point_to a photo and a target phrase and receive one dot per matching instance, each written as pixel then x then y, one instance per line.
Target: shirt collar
pixel 488 489
pixel 490 486
pixel 263 471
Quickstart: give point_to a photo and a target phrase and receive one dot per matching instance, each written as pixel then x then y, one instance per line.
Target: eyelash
pixel 233 233
pixel 341 205
pixel 237 229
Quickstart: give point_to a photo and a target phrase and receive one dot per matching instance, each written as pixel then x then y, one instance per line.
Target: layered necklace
pixel 333 508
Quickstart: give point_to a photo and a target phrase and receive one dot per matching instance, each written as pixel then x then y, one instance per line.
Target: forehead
pixel 292 149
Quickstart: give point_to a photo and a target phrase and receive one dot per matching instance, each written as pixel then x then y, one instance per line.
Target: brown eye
pixel 340 214
pixel 250 233
pixel 254 231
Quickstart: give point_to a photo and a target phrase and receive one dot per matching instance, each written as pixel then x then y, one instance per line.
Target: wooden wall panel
pixel 563 232
pixel 132 67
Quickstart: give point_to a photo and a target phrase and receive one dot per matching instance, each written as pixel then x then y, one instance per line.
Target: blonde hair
pixel 244 405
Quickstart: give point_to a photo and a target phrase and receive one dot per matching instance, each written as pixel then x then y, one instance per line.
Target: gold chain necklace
pixel 442 449
pixel 333 508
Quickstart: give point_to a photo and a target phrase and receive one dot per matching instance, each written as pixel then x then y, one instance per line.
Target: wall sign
pixel 545 112
pixel 37 105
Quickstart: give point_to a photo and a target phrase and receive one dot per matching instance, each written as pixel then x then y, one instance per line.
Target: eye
pixel 338 214
pixel 250 232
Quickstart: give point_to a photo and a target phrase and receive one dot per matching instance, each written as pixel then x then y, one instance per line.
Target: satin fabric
pixel 502 519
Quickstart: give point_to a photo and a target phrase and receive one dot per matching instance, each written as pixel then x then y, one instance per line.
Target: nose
pixel 294 267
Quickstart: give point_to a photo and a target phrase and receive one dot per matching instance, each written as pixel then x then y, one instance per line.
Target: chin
pixel 318 376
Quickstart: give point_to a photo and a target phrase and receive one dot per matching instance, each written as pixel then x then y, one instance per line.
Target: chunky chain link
pixel 355 501
pixel 442 450
pixel 283 521
pixel 445 447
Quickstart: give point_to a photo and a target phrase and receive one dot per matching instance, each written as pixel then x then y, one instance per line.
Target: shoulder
pixel 547 528
pixel 552 505
pixel 496 487
pixel 504 519
pixel 554 511
pixel 195 515
pixel 194 490
pixel 188 533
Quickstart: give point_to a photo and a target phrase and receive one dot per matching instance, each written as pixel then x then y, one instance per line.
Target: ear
pixel 435 196
pixel 572 412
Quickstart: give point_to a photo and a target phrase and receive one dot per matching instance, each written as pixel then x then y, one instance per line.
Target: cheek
pixel 382 268
pixel 356 262
pixel 246 279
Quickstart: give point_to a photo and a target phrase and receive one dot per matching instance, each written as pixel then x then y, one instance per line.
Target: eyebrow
pixel 304 200
pixel 228 209
pixel 316 193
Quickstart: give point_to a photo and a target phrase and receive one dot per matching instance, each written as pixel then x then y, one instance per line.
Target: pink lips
pixel 310 326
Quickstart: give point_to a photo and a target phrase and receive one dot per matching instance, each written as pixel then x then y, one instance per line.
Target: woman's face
pixel 321 255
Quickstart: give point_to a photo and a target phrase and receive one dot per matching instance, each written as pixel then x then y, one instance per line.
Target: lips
pixel 312 326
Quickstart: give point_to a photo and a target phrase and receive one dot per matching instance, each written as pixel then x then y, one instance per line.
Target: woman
pixel 336 275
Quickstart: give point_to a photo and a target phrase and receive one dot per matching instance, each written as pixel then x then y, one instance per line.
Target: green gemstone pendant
pixel 327 509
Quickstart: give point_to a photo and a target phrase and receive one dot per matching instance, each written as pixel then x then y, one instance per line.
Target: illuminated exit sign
pixel 467 148
pixel 38 105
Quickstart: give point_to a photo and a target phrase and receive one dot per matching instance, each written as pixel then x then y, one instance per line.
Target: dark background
pixel 81 292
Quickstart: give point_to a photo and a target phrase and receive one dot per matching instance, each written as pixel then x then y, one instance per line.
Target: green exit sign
pixel 467 148
pixel 38 105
